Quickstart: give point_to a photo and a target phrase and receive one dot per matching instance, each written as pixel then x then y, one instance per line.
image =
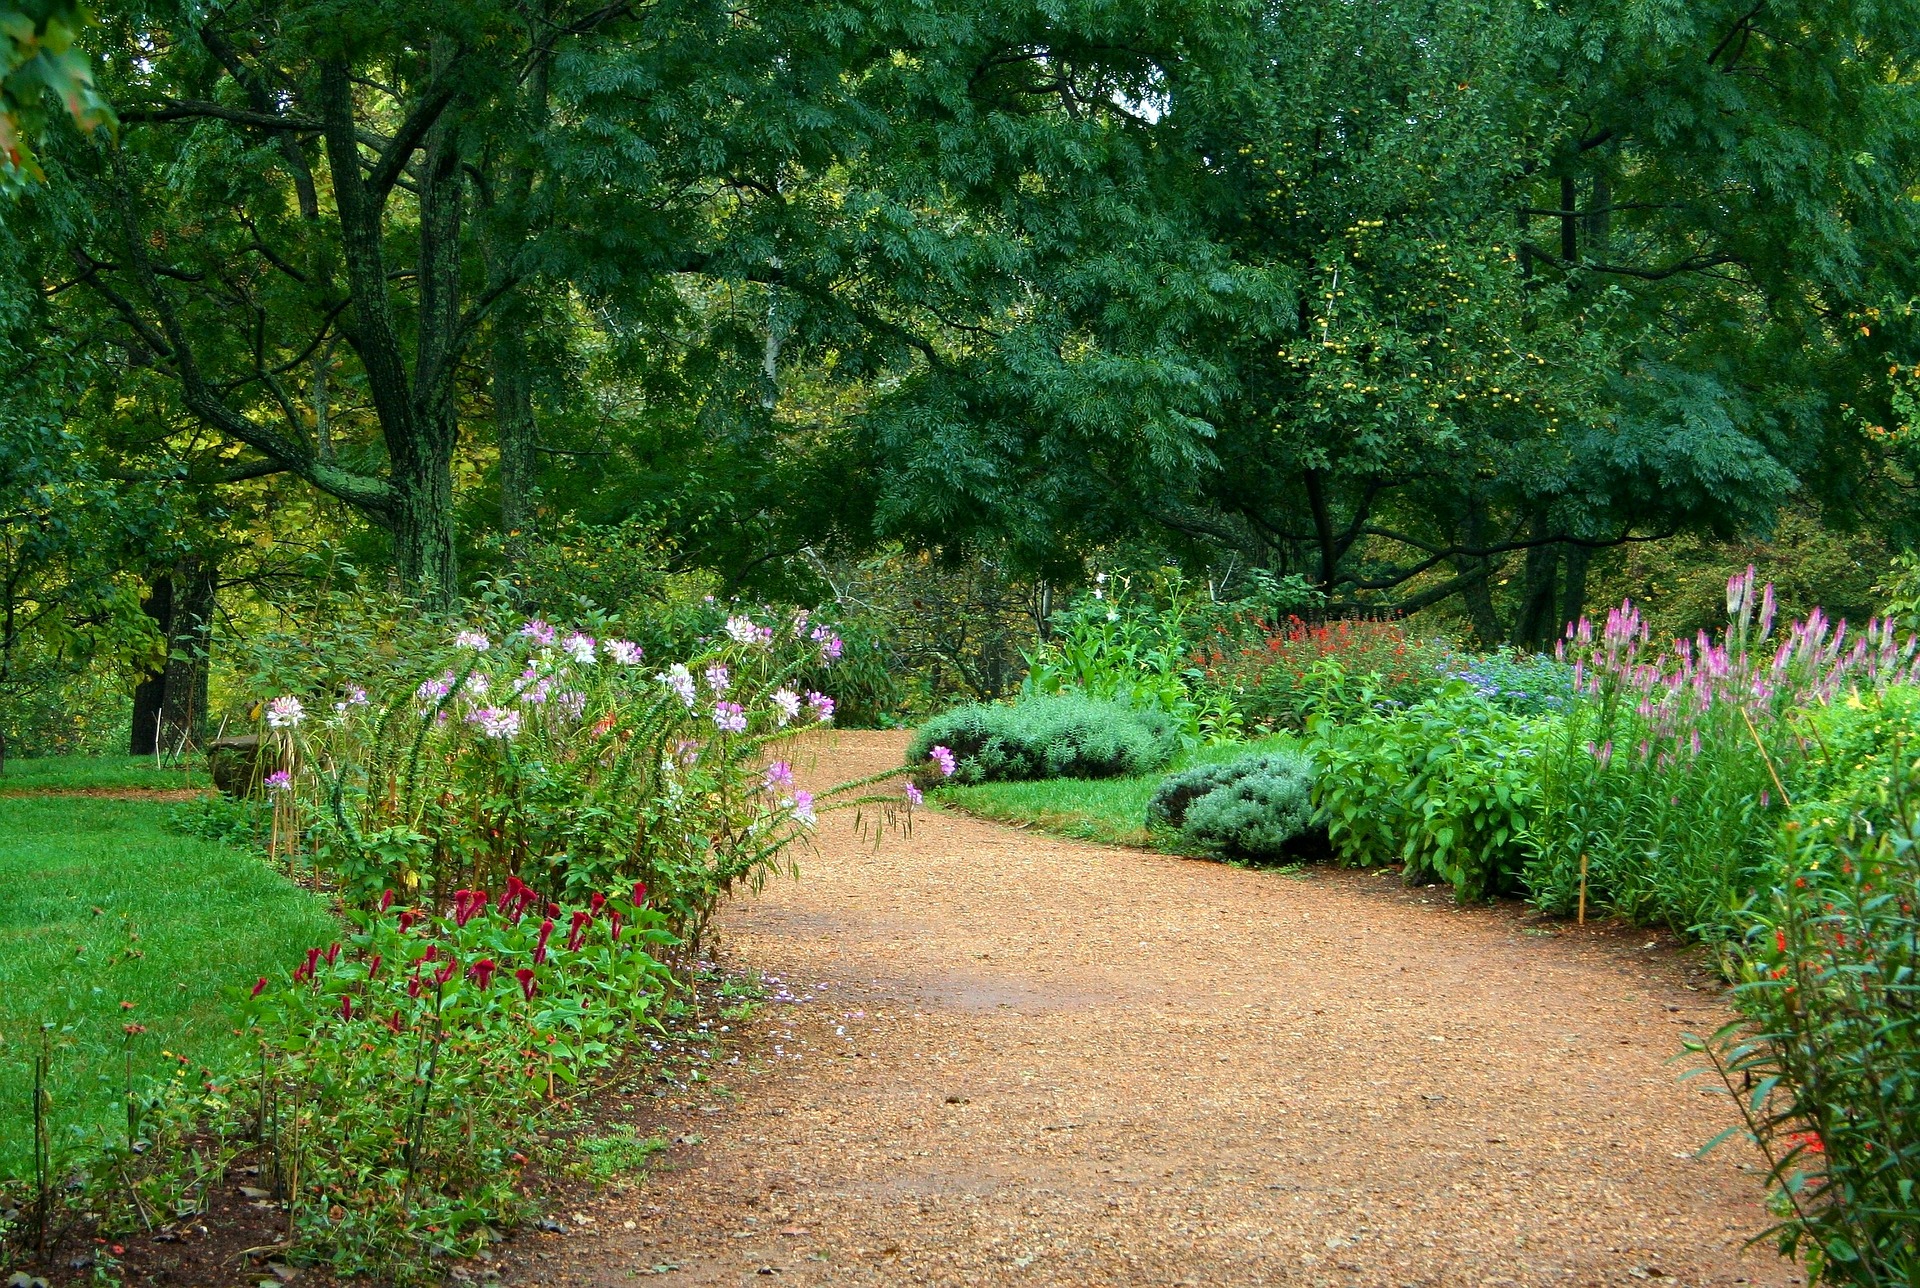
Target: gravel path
pixel 1021 1060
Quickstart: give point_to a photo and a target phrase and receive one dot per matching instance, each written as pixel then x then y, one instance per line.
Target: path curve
pixel 1017 1059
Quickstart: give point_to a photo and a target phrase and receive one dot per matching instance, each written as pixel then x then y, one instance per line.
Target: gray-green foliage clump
pixel 1055 737
pixel 1253 807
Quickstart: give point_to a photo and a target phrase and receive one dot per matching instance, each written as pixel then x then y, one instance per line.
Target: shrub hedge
pixel 1048 737
pixel 1255 807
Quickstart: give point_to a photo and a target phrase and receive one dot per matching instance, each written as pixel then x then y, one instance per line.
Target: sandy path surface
pixel 1013 1059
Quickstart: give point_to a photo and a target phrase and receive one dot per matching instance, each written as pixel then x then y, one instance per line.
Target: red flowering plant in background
pixel 1275 670
pixel 408 1064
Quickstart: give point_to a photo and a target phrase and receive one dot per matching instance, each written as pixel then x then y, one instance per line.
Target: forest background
pixel 1488 311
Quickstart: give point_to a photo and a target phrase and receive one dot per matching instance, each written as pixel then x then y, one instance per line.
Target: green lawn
pixel 67 773
pixel 1112 810
pixel 103 905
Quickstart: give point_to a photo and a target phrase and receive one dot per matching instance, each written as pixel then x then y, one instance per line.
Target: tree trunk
pixel 1478 593
pixel 183 712
pixel 424 553
pixel 505 231
pixel 514 425
pixel 1573 591
pixel 150 693
pixel 1323 535
pixel 1533 622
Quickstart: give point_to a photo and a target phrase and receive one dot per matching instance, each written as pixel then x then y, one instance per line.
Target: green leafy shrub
pixel 1141 640
pixel 240 823
pixel 1052 737
pixel 1447 787
pixel 1825 1062
pixel 1255 807
pixel 1855 745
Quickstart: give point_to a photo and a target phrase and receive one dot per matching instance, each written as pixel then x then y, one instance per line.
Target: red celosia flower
pixel 393 1021
pixel 540 946
pixel 386 899
pixel 481 972
pixel 594 903
pixel 260 986
pixel 407 917
pixel 527 985
pixel 445 973
pixel 413 986
pixel 614 923
pixel 305 971
pixel 346 1008
pixel 639 895
pixel 553 909
pixel 333 953
pixel 373 965
pixel 578 931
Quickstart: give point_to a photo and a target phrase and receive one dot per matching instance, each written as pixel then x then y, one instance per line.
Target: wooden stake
pixel 1583 887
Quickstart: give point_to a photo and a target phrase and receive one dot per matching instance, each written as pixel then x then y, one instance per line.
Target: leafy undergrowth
pixel 84 773
pixel 222 1222
pixel 1112 811
pixel 107 907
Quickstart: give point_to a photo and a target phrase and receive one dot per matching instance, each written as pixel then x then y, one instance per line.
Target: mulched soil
pixel 996 1057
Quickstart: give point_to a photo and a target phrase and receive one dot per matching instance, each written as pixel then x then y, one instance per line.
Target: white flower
pixel 718 678
pixel 680 680
pixel 476 685
pixel 495 722
pixel 285 712
pixel 788 704
pixel 579 647
pixel 474 640
pixel 625 652
pixel 741 630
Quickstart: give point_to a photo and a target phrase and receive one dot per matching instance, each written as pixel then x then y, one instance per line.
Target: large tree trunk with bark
pixel 170 699
pixel 1573 589
pixel 516 430
pixel 183 710
pixel 1477 592
pixel 1533 622
pixel 150 691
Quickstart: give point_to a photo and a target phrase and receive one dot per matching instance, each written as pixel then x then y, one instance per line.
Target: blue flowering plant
pixel 1526 684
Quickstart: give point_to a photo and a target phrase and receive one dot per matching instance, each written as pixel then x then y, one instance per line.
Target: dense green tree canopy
pixel 1426 302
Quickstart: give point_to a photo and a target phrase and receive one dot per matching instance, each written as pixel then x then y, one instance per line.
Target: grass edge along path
pixel 106 907
pixel 1112 811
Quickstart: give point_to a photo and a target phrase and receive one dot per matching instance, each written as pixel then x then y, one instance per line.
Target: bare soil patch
pixel 1023 1060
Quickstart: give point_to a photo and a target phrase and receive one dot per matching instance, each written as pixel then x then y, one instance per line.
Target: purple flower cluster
pixel 1672 694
